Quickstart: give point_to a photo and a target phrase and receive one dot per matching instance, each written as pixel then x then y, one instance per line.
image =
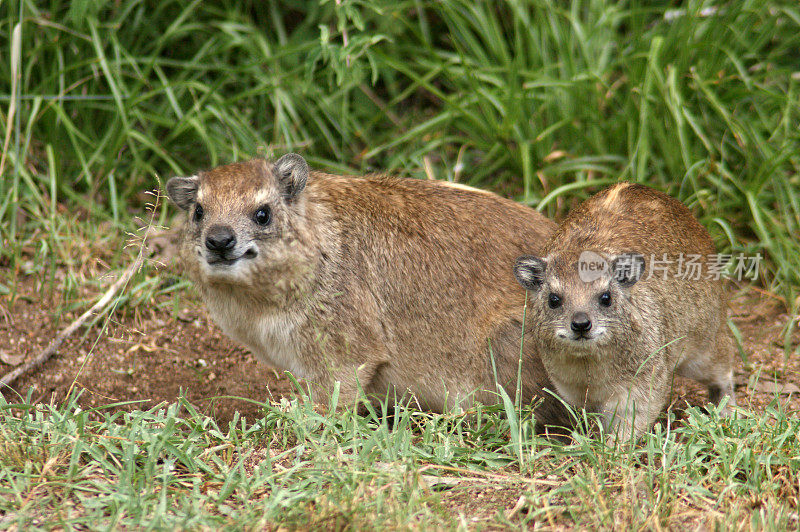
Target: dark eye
pixel 198 213
pixel 605 299
pixel 554 300
pixel 263 215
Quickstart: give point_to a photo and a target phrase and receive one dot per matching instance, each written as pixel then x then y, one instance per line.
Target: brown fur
pixel 393 285
pixel 653 326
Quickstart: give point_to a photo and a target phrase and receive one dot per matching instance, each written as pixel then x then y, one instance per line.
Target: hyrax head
pixel 240 216
pixel 581 300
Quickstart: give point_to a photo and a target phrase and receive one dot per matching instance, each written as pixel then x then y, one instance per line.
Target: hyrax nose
pixel 581 322
pixel 220 239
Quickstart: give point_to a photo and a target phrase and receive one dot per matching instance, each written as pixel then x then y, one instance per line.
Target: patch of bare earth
pixel 149 356
pixel 145 356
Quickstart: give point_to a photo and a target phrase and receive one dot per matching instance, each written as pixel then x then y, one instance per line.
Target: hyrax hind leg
pixel 712 366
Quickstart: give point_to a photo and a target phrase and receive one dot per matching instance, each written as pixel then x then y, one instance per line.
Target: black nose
pixel 581 322
pixel 220 239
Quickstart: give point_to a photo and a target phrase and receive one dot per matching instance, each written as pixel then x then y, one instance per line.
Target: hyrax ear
pixel 529 271
pixel 183 191
pixel 292 173
pixel 628 268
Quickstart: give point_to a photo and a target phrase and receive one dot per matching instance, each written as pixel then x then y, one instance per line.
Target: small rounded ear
pixel 292 173
pixel 628 268
pixel 529 271
pixel 183 191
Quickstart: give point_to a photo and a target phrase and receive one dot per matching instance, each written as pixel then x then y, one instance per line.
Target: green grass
pixel 170 467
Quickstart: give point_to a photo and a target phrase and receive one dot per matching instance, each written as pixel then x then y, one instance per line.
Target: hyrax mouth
pixel 218 260
pixel 579 338
pixel 576 338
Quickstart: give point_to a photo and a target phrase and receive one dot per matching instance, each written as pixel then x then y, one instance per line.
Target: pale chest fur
pixel 593 379
pixel 579 380
pixel 270 335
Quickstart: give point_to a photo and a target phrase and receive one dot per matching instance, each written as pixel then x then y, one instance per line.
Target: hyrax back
pixel 625 293
pixel 393 285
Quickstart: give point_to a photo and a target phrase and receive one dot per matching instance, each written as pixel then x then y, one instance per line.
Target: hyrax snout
pixel 398 286
pixel 616 307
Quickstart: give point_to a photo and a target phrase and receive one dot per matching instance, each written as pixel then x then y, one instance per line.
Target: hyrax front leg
pixel 355 378
pixel 633 410
pixel 351 352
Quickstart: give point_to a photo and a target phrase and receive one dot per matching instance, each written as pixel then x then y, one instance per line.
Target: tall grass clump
pixel 545 101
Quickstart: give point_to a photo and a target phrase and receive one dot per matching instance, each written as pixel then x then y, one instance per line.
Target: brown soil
pixel 150 355
pixel 145 355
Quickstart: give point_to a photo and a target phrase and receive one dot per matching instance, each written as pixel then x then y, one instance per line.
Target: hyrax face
pixel 581 301
pixel 240 218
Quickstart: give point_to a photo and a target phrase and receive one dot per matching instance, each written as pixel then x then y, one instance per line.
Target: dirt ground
pixel 145 356
pixel 149 356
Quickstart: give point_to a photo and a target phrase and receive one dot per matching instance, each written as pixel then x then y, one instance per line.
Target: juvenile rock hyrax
pixel 623 294
pixel 393 285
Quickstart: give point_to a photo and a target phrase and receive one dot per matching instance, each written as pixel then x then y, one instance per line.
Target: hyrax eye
pixel 198 212
pixel 605 299
pixel 554 300
pixel 263 215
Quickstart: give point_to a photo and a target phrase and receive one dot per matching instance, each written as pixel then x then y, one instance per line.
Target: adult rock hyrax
pixel 393 285
pixel 623 294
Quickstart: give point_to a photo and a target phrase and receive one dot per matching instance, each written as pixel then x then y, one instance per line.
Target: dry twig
pixel 51 348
